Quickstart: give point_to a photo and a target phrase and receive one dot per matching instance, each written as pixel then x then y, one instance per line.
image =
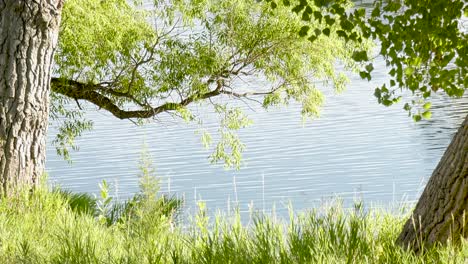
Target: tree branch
pixel 88 92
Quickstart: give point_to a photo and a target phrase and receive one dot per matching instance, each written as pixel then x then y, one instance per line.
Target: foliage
pixel 109 211
pixel 422 42
pixel 138 61
pixel 70 124
pixel 42 228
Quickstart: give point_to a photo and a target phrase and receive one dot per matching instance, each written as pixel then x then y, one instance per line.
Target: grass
pixel 53 226
pixel 57 226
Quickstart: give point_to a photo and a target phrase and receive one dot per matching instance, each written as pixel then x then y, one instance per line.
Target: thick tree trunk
pixel 28 37
pixel 442 211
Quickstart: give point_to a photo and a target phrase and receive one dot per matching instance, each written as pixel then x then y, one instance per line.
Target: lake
pixel 357 149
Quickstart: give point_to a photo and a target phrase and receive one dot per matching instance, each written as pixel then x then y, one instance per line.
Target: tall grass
pixel 58 227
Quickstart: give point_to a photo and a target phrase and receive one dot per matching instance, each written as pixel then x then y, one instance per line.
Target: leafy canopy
pixel 139 60
pixel 422 42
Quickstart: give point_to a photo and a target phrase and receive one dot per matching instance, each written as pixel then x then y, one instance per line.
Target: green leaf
pixel 387 102
pixel 346 25
pixel 369 67
pixel 377 93
pixel 360 56
pixel 312 38
pixel 427 115
pixel 427 105
pixel 409 70
pixel 326 31
pixel 361 12
pixel 298 8
pixel 330 21
pixel 363 75
pixel 384 89
pixel 342 34
pixel 320 3
pixel 318 15
pixel 353 36
pixel 417 117
pixel 407 107
pixel 206 139
pixel 392 6
pixel 303 31
pixel 273 5
pixel 376 11
pixel 416 62
pixel 286 3
pixel 317 32
pixel 338 9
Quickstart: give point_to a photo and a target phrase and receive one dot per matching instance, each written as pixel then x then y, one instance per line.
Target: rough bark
pixel 441 212
pixel 28 37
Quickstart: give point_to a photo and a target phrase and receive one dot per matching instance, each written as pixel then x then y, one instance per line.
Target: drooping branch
pixel 89 92
pixel 103 95
pixel 106 94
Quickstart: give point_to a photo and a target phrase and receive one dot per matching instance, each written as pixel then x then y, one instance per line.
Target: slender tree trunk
pixel 442 211
pixel 28 37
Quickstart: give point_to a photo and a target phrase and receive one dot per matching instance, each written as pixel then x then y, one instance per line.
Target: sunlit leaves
pixel 228 150
pixel 426 115
pixel 420 41
pixel 185 114
pixel 70 123
pixel 311 103
pixel 272 100
pixel 282 56
pixel 97 34
pixel 205 137
pixel 181 50
pixel 234 119
pixel 420 45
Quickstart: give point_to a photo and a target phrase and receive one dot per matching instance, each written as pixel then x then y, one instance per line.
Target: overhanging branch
pixel 88 92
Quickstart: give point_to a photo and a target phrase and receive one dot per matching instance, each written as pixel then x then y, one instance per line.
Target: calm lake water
pixel 357 149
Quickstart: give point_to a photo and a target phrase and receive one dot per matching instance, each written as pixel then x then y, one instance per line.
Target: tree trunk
pixel 441 212
pixel 28 37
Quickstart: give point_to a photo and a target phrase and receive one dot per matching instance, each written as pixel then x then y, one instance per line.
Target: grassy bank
pixel 49 226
